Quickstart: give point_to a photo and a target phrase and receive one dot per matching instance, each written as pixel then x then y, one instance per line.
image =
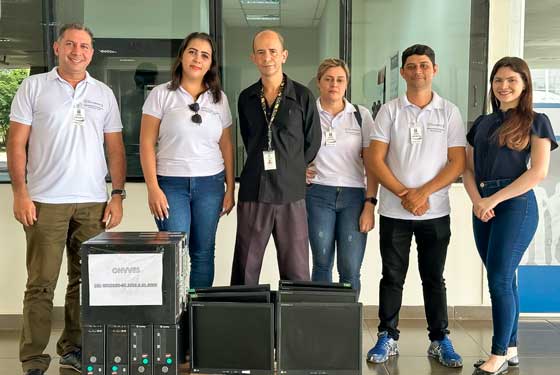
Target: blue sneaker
pixel 443 351
pixel 383 349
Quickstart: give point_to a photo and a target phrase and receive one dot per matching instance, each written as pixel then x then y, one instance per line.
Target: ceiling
pixel 289 13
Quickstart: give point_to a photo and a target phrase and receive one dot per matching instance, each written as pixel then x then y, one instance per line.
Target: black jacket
pixel 296 138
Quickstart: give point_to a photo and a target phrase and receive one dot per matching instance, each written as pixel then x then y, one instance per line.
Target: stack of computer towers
pixel 318 329
pixel 133 296
pixel 232 330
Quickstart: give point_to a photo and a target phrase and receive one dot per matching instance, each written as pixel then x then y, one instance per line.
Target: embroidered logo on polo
pixel 93 105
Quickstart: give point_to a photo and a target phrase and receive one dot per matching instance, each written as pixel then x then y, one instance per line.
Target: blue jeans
pixel 501 243
pixel 333 216
pixel 195 204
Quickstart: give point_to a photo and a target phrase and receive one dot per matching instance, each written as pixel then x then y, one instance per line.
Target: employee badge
pixel 269 158
pixel 416 135
pixel 330 139
pixel 78 114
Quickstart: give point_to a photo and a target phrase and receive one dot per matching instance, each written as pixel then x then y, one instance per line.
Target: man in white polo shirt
pixel 418 150
pixel 59 124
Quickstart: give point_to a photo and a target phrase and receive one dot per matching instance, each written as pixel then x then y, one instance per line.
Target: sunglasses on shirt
pixel 196 118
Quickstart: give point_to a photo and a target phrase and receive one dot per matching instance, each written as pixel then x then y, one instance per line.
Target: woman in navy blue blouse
pixel 499 184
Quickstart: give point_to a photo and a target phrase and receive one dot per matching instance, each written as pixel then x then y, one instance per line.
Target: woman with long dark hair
pixel 500 184
pixel 189 120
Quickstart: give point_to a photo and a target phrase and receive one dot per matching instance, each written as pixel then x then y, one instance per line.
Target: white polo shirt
pixel 65 161
pixel 342 163
pixel 415 164
pixel 187 149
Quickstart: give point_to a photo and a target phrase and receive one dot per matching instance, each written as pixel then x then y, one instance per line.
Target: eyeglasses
pixel 196 118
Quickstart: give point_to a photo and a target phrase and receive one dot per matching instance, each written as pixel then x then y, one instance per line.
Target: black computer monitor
pixel 233 288
pixel 323 296
pixel 263 297
pixel 312 285
pixel 228 337
pixel 322 338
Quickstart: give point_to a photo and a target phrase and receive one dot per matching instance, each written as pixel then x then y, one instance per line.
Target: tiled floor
pixel 539 349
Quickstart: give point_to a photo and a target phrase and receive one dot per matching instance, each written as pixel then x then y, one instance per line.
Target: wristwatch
pixel 371 200
pixel 120 192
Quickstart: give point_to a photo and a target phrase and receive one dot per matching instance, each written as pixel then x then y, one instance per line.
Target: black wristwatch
pixel 120 192
pixel 371 200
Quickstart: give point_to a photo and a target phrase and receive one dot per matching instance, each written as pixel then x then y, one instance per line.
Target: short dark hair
pixel 418 49
pixel 74 26
pixel 212 76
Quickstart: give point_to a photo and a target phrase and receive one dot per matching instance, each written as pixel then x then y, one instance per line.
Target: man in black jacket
pixel 281 132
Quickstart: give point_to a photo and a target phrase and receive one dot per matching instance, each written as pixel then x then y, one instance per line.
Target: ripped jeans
pixel 333 217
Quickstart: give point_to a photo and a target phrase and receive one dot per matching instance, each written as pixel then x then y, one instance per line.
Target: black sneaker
pixel 72 360
pixel 34 371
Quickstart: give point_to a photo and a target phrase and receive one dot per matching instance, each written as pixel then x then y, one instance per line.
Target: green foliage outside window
pixel 10 79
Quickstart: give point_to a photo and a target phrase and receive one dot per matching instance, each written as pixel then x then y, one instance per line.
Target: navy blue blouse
pixel 492 162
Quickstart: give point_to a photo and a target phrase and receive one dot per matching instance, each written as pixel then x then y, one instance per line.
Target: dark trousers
pixel 432 238
pixel 57 226
pixel 501 243
pixel 287 223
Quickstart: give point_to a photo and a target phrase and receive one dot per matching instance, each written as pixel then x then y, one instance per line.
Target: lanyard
pixel 275 107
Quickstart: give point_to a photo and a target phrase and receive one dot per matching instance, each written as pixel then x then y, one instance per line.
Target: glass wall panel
pixel 311 33
pixel 542 39
pixel 22 53
pixel 381 30
pixel 135 44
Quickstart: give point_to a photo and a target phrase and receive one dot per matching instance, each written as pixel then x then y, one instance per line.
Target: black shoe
pixel 512 362
pixel 72 360
pixel 502 370
pixel 34 371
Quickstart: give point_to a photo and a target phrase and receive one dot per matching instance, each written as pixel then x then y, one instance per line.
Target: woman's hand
pixel 484 208
pixel 228 204
pixel 157 201
pixel 367 218
pixel 310 173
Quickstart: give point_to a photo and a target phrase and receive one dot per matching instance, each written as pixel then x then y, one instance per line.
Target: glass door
pixel 311 33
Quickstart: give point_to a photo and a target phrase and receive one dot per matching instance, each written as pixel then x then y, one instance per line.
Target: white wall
pixel 463 270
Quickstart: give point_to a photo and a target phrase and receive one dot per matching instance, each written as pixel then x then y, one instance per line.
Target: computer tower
pixel 167 350
pixel 141 349
pixel 172 247
pixel 229 337
pixel 319 338
pixel 117 350
pixel 93 349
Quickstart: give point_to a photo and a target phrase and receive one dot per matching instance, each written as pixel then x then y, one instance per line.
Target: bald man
pixel 280 127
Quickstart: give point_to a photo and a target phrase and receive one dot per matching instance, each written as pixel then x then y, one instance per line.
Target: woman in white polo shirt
pixel 340 200
pixel 189 119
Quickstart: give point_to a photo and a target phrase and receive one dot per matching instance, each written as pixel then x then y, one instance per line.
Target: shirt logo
pixel 93 105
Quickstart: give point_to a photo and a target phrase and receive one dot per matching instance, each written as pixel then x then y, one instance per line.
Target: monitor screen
pixel 231 336
pixel 319 337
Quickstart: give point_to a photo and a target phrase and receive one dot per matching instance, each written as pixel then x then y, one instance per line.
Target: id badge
pixel 269 158
pixel 330 139
pixel 78 114
pixel 416 135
